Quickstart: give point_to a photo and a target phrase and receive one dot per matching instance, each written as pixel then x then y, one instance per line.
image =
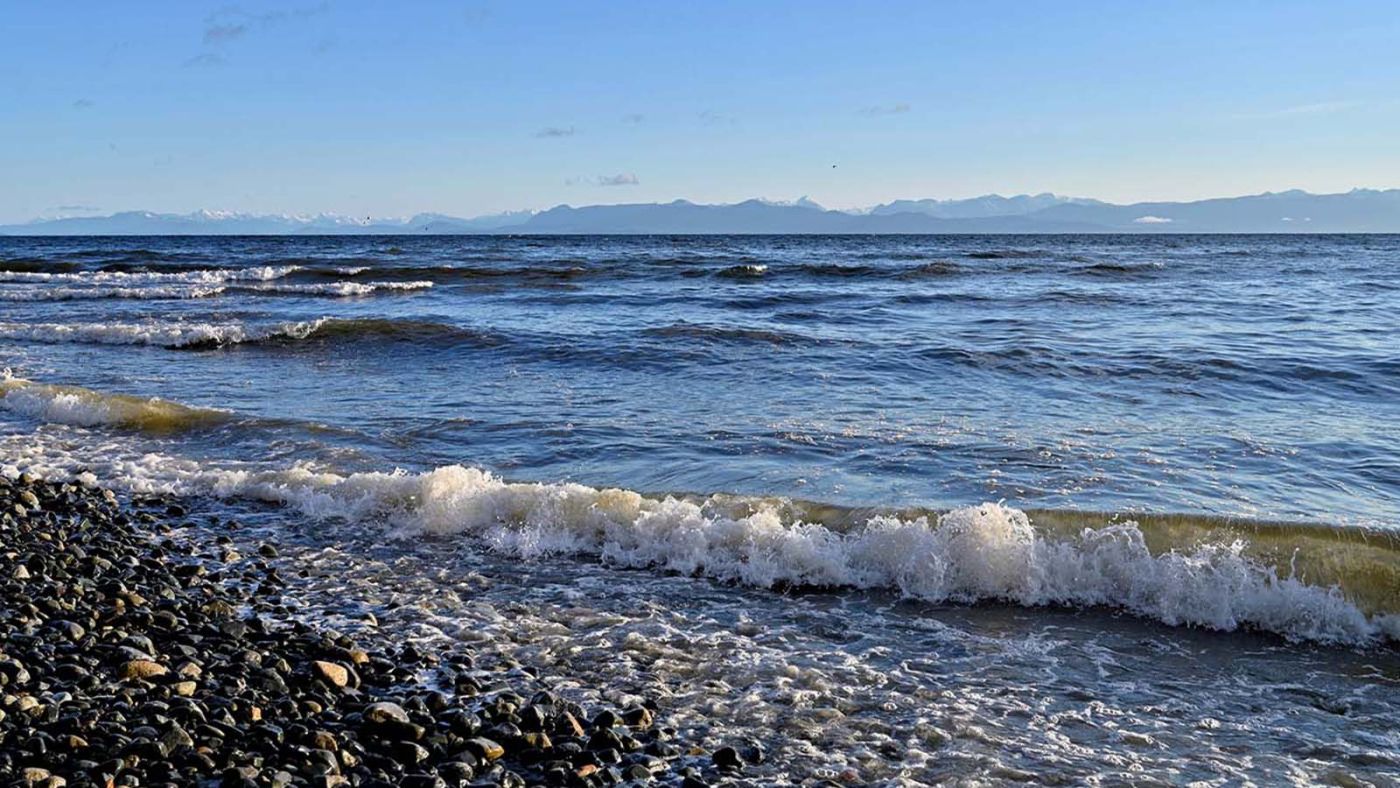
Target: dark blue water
pixel 1115 423
pixel 1241 375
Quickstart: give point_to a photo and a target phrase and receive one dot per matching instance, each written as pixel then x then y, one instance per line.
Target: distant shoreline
pixel 1290 212
pixel 1104 233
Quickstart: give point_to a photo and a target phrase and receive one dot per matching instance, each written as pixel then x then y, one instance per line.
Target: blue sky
pixel 372 108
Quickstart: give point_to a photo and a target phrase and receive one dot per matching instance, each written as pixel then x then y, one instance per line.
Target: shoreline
pixel 138 646
pixel 1324 585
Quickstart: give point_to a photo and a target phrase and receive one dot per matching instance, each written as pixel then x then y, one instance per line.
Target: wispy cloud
pixel 231 23
pixel 216 34
pixel 621 179
pixel 77 208
pixel 83 103
pixel 1316 108
pixel 1152 220
pixel 556 131
pixel 890 109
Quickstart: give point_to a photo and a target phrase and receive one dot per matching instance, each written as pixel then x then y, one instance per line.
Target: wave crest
pixel 185 290
pixel 262 273
pixel 166 292
pixel 87 408
pixel 169 335
pixel 198 336
pixel 341 289
pixel 969 554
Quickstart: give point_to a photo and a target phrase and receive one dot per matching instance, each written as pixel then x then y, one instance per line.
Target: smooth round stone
pixel 331 673
pixel 385 712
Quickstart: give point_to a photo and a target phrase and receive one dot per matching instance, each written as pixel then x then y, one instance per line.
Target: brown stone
pixel 331 673
pixel 33 775
pixel 637 717
pixel 569 725
pixel 485 749
pixel 142 669
pixel 386 712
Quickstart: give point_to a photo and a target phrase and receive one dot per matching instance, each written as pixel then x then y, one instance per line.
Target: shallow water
pixel 1254 376
pixel 866 687
pixel 1201 429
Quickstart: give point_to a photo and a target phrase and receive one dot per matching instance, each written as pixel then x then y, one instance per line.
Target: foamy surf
pixel 163 292
pixel 989 552
pixel 342 289
pixel 77 406
pixel 198 276
pixel 986 552
pixel 217 286
pixel 155 333
pixel 179 335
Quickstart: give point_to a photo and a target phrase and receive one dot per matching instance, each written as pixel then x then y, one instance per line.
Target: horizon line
pixel 219 213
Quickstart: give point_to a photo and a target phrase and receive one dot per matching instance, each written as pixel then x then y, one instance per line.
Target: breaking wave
pixel 82 407
pixel 340 289
pixel 200 276
pixel 88 293
pixel 184 291
pixel 989 552
pixel 190 335
pixel 171 335
pixel 747 271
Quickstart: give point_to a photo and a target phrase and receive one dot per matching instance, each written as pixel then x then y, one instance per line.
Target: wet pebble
pixel 131 658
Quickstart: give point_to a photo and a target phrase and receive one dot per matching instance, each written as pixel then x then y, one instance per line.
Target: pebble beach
pixel 137 650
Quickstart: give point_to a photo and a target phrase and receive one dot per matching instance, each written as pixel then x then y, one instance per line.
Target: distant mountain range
pixel 230 223
pixel 1356 211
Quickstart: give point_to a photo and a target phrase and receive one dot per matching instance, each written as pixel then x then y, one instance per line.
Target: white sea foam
pixel 262 273
pixel 86 293
pixel 87 408
pixel 162 334
pixel 986 552
pixel 336 288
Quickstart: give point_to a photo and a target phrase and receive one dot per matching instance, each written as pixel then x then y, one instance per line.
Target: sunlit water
pixel 1218 412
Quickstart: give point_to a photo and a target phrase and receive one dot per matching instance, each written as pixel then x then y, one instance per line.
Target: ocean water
pixel 906 509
